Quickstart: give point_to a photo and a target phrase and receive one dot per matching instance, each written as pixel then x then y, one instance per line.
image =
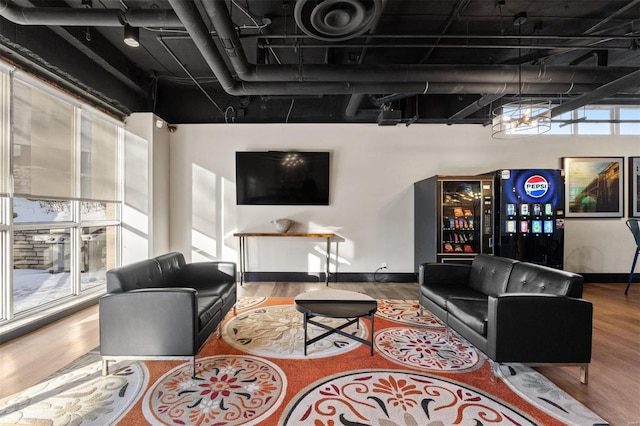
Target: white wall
pixel 145 216
pixel 371 205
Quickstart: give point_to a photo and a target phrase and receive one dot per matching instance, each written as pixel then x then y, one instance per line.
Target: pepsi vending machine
pixel 529 216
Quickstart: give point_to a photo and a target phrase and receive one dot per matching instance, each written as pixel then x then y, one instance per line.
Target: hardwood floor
pixel 613 391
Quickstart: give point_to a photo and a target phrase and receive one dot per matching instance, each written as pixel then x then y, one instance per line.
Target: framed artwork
pixel 634 186
pixel 594 186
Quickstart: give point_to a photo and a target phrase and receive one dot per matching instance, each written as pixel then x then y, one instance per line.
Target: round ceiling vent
pixel 336 20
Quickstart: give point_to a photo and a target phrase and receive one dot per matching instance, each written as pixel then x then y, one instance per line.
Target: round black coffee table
pixel 331 303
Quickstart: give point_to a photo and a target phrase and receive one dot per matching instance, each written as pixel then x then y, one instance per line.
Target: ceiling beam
pixel 625 83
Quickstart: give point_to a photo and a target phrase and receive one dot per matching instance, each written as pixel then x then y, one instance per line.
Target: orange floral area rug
pixel 257 374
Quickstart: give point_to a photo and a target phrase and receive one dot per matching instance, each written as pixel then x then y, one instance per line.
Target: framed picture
pixel 634 186
pixel 594 186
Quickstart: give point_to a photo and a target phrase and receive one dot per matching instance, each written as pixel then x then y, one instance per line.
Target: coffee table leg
pixel 305 333
pixel 372 317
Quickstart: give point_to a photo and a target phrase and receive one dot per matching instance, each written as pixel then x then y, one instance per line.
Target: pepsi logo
pixel 536 186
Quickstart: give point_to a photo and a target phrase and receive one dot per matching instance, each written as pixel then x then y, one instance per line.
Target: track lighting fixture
pixel 131 36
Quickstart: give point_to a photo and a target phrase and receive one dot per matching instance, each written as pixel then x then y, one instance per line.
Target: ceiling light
pixel 521 118
pixel 131 36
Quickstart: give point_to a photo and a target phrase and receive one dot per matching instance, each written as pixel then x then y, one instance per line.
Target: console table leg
pixel 242 259
pixel 328 259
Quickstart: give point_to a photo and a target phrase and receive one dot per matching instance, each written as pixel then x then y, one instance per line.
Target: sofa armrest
pixel 206 274
pixel 539 328
pixel 149 322
pixel 444 274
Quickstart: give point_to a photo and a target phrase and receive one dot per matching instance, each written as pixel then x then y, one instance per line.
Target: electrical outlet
pixel 383 265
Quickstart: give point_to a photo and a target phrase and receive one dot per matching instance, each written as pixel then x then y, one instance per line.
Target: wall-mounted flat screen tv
pixel 282 178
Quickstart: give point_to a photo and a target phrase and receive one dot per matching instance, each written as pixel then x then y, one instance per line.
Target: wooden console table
pixel 243 247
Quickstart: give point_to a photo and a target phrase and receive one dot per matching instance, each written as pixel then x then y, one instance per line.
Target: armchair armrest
pixel 539 328
pixel 204 274
pixel 149 322
pixel 444 274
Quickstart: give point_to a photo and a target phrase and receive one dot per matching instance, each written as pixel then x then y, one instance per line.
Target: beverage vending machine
pixel 529 216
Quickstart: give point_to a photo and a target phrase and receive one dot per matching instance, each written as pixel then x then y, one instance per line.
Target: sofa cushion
pixel 170 265
pixel 439 294
pixel 204 275
pixel 222 290
pixel 208 307
pixel 532 278
pixel 473 313
pixel 143 274
pixel 490 274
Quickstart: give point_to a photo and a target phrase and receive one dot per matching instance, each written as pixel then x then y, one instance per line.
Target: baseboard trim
pixel 606 278
pixel 390 277
pixel 356 277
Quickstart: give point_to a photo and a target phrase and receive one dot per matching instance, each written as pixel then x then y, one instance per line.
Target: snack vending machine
pixel 453 218
pixel 529 216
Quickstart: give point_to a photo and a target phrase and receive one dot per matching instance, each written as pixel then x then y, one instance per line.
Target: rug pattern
pixel 537 389
pixel 227 390
pixel 233 387
pixel 243 303
pixel 427 349
pixel 407 312
pixel 396 398
pixel 79 394
pixel 277 332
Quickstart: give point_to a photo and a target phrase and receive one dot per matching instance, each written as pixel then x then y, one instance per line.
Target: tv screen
pixel 282 178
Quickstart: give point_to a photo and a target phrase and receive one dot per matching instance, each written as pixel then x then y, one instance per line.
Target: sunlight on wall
pixel 137 221
pixel 315 264
pixel 203 247
pixel 229 221
pixel 203 214
pixel 335 259
pixel 135 237
pixel 135 211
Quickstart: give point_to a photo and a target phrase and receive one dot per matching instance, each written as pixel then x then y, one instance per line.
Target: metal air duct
pixel 336 20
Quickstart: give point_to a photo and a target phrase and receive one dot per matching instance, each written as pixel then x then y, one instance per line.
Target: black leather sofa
pixel 164 308
pixel 512 311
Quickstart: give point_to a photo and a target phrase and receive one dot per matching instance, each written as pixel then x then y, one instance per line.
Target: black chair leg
pixel 633 268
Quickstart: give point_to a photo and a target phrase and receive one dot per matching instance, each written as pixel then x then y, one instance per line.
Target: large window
pixel 598 120
pixel 60 198
pixel 630 118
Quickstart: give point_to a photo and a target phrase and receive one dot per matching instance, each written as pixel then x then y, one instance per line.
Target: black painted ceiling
pixel 393 61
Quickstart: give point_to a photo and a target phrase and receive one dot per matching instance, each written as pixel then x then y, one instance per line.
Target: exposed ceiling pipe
pixel 391 98
pixel 629 5
pixel 353 105
pixel 459 8
pixel 538 55
pixel 197 29
pixel 434 73
pixel 631 80
pixel 355 100
pixel 195 81
pixel 230 41
pixel 84 17
pixel 476 106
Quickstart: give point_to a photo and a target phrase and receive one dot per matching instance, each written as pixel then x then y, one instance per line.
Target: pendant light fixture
pixel 524 117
